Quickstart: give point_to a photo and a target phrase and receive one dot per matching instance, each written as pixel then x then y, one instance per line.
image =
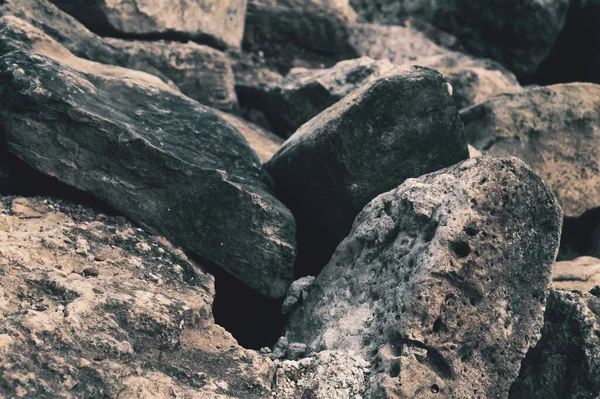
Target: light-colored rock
pixel 441 283
pixel 581 274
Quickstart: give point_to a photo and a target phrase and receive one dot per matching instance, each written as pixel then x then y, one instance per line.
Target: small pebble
pixel 90 272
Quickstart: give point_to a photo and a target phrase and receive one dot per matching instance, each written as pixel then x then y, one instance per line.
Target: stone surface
pixel 141 328
pixel 486 29
pixel 402 125
pixel 298 291
pixel 581 274
pixel 304 93
pixel 219 23
pixel 565 363
pixel 164 160
pixel 441 284
pixel 554 129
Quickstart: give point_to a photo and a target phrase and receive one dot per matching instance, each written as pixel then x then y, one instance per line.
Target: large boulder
pixel 486 29
pixel 219 23
pixel 554 129
pixel 565 364
pixel 94 307
pixel 401 125
pixel 441 283
pixel 164 160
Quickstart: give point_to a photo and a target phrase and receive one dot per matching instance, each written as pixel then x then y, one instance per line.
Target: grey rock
pixel 296 350
pixel 297 290
pixel 280 349
pixel 219 23
pixel 402 125
pixel 164 160
pixel 442 282
pixel 553 129
pixel 486 29
pixel 565 364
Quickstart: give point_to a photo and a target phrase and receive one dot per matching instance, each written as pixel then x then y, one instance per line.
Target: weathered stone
pixel 402 125
pixel 304 93
pixel 219 23
pixel 581 274
pixel 319 26
pixel 486 29
pixel 441 283
pixel 565 364
pixel 298 290
pixel 142 328
pixel 161 158
pixel 554 129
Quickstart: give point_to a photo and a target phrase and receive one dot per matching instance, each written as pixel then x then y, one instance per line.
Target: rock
pixel 296 350
pixel 486 29
pixel 23 208
pixel 474 152
pixel 164 160
pixel 219 23
pixel 581 274
pixel 441 283
pixel 297 290
pixel 565 363
pixel 278 27
pixel 328 375
pixel 280 349
pixel 304 93
pixel 402 125
pixel 553 129
pixel 118 335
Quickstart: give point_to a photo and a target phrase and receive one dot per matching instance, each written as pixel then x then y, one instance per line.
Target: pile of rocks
pixel 376 169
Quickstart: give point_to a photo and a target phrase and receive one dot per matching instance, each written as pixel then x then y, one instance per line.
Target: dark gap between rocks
pixel 580 236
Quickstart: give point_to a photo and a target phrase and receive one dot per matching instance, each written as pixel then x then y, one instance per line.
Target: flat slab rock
pixel 94 307
pixel 581 274
pixel 441 283
pixel 554 129
pixel 401 125
pixel 164 160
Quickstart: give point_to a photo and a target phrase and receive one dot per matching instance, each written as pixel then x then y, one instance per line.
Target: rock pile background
pixel 312 199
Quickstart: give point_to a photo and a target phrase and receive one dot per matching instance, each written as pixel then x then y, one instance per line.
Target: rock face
pixel 486 29
pixel 219 23
pixel 581 274
pixel 164 160
pixel 304 93
pixel 441 283
pixel 565 364
pixel 138 326
pixel 402 125
pixel 554 129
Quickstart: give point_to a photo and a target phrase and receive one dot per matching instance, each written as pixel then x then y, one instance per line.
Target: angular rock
pixel 402 125
pixel 554 129
pixel 298 290
pixel 581 274
pixel 565 364
pixel 441 283
pixel 142 328
pixel 282 26
pixel 219 23
pixel 164 160
pixel 486 29
pixel 304 93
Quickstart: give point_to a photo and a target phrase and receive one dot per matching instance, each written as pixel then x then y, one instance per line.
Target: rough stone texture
pixel 142 327
pixel 326 375
pixel 402 125
pixel 487 29
pixel 298 291
pixel 565 364
pixel 304 93
pixel 441 283
pixel 281 26
pixel 581 274
pixel 554 129
pixel 164 160
pixel 219 23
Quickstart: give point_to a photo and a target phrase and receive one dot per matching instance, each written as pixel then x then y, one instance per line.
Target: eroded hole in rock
pixel 461 248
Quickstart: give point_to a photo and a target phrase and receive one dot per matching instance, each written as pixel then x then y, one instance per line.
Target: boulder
pixel 486 29
pixel 401 125
pixel 565 363
pixel 219 23
pixel 162 159
pixel 304 93
pixel 441 283
pixel 140 326
pixel 581 274
pixel 554 129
